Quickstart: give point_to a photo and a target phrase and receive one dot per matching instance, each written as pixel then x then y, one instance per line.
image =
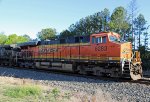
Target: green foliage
pixel 132 12
pixel 91 24
pixel 27 37
pixel 105 19
pixel 57 96
pixel 13 39
pixel 55 93
pixel 22 39
pixel 119 21
pixel 3 39
pixel 47 33
pixel 54 96
pixel 146 38
pixel 139 23
pixel 22 91
pixel 145 56
pixel 130 39
pixel 67 96
pixel 65 33
pixel 101 21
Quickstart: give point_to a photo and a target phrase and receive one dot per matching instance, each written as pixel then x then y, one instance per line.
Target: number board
pixel 101 48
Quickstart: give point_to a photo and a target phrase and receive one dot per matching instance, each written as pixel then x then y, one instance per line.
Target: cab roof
pixel 106 33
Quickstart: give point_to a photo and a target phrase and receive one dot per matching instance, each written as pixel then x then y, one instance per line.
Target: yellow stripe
pixel 114 58
pixel 55 45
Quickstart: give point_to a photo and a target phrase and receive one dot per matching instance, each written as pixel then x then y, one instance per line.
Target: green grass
pixel 15 90
pixel 22 91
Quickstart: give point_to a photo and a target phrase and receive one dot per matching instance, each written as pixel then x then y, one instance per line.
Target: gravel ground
pixel 118 90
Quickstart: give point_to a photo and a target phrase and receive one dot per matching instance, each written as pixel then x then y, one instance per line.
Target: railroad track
pixel 144 81
pixel 141 81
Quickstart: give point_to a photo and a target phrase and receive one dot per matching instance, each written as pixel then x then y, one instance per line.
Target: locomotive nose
pixel 126 50
pixel 131 62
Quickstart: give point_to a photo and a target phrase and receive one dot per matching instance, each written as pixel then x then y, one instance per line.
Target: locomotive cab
pixel 108 48
pixel 130 62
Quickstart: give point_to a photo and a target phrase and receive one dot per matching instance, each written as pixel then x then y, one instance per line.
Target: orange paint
pixel 100 47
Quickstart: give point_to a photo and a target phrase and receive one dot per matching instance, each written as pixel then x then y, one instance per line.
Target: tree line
pixel 119 21
pixel 131 25
pixel 128 22
pixel 13 39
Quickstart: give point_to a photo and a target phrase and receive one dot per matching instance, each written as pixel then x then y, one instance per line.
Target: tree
pixel 3 39
pixel 105 19
pixel 22 39
pixel 119 22
pixel 65 33
pixel 47 33
pixel 146 38
pixel 132 10
pixel 14 39
pixel 95 23
pixel 27 37
pixel 140 23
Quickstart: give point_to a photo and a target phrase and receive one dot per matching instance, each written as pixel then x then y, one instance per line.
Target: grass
pixel 22 91
pixel 34 94
pixel 27 90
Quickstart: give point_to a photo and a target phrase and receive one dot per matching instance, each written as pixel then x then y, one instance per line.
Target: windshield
pixel 114 39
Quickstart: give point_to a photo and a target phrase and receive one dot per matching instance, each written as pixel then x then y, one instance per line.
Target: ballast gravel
pixel 131 92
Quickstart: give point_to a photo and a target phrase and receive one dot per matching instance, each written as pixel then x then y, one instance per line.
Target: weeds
pixel 67 96
pixel 22 91
pixel 55 93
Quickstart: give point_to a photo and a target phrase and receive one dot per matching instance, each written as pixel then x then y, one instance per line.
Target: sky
pixel 30 16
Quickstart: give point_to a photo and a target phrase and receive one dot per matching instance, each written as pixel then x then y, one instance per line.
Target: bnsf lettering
pixel 101 48
pixel 48 50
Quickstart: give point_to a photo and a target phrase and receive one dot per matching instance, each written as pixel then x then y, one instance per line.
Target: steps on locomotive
pixel 126 68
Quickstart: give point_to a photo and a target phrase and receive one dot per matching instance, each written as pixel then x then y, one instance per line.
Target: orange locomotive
pixel 97 54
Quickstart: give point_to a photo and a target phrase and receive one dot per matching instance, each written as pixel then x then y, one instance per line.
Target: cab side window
pixel 104 39
pixel 96 40
pixel 93 39
pixel 99 40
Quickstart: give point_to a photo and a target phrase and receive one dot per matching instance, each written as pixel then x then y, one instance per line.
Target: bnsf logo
pixel 101 48
pixel 48 50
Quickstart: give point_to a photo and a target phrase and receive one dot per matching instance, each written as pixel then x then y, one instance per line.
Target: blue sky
pixel 30 16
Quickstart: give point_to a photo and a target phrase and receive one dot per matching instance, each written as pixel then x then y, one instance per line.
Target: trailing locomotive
pixel 97 54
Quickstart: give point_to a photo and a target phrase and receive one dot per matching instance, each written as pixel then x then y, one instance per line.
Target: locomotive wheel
pixel 136 71
pixel 81 70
